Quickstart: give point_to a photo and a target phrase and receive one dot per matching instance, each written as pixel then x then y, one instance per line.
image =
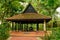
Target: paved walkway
pixel 26 35
pixel 25 38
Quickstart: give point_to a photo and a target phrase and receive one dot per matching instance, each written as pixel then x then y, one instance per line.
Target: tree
pixel 9 8
pixel 4 31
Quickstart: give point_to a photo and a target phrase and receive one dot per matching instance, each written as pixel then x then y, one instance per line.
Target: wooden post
pixel 23 27
pixel 17 26
pixel 27 26
pixel 20 27
pixel 44 25
pixel 37 26
pixel 14 26
pixel 45 37
pixel 11 26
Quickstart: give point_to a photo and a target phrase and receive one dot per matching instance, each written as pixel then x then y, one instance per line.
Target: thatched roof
pixel 29 16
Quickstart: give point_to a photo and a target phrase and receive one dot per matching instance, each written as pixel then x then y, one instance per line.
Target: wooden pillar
pixel 23 27
pixel 44 25
pixel 45 37
pixel 20 27
pixel 27 26
pixel 14 25
pixel 37 26
pixel 11 26
pixel 17 26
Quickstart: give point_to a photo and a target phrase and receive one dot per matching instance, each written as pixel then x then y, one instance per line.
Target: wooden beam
pixel 44 25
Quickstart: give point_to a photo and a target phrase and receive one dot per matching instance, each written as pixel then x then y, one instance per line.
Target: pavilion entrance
pixel 24 27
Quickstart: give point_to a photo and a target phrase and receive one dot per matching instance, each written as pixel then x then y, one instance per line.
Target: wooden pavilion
pixel 29 16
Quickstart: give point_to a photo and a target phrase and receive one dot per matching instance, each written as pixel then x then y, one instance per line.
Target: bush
pixel 4 31
pixel 56 34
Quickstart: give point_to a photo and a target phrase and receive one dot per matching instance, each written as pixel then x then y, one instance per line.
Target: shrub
pixel 56 34
pixel 4 31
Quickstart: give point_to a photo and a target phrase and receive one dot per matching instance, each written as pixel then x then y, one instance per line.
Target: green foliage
pixel 16 6
pixel 55 34
pixel 4 31
pixel 9 8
